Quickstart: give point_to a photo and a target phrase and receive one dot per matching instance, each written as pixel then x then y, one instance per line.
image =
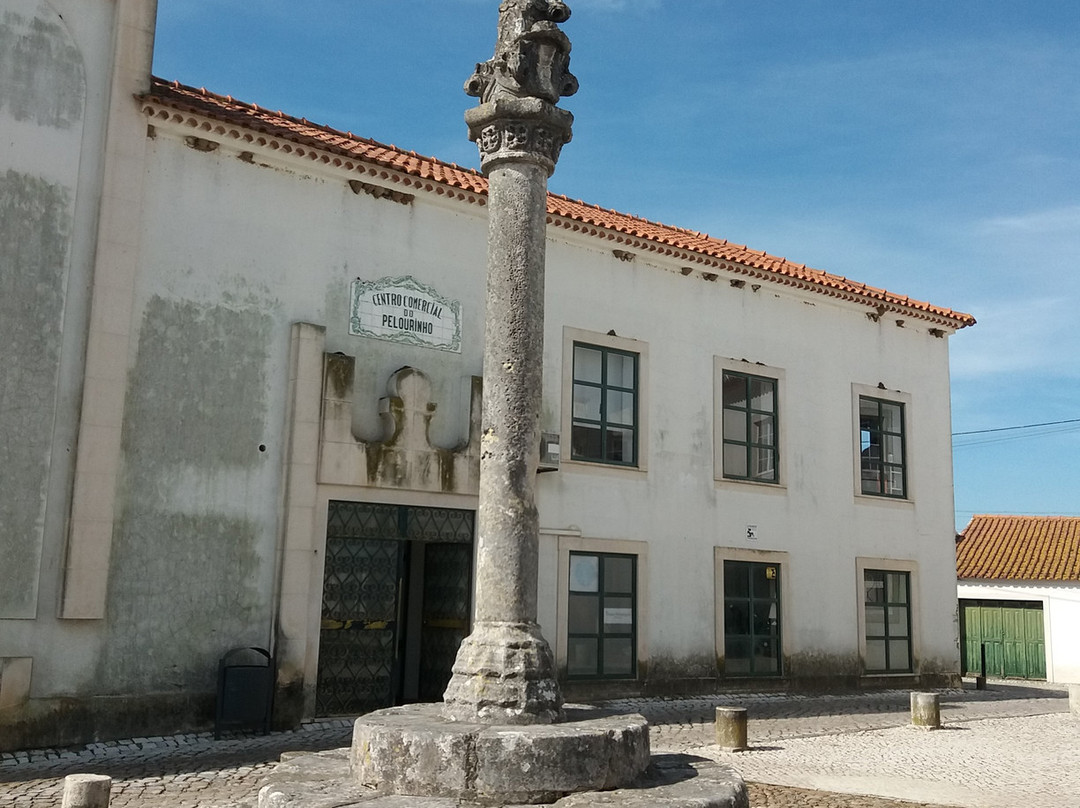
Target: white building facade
pixel 254 345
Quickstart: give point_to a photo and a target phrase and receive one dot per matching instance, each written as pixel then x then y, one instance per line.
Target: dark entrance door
pixel 396 595
pixel 751 619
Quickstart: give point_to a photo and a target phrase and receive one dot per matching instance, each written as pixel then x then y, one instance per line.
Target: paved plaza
pixel 1007 746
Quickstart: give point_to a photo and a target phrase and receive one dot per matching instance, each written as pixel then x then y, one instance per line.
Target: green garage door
pixel 1011 631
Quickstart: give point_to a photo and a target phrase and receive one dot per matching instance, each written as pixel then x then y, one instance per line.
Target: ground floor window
pixel 887 606
pixel 601 637
pixel 751 619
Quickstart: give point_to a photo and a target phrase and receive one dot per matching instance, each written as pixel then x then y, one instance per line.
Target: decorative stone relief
pixel 532 56
pixel 519 86
pixel 405 458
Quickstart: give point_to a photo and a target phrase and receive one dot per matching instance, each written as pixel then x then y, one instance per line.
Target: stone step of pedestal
pixel 323 780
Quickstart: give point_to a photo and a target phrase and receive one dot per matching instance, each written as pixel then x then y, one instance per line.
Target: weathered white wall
pixel 823 347
pixel 237 244
pixel 1061 618
pixel 43 90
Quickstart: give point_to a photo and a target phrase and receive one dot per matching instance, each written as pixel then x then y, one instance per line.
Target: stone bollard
pixel 1074 700
pixel 925 711
pixel 731 729
pixel 86 791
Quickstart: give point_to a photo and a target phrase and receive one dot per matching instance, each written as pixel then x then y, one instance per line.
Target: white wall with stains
pixel 238 242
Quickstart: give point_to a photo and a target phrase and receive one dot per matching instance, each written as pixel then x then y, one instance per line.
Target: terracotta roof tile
pixel 621 227
pixel 1021 548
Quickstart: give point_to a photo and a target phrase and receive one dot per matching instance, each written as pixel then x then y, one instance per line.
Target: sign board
pixel 405 310
pixel 618 616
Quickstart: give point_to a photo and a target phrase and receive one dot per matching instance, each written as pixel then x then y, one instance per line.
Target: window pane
pixel 585 441
pixel 898 655
pixel 735 391
pixel 737 617
pixel 871 477
pixel 875 621
pixel 587 402
pixel 583 614
pixel 765 579
pixel 765 656
pixel 868 411
pixel 871 449
pixel 765 621
pixel 618 574
pixel 894 480
pixel 898 621
pixel 618 615
pixel 894 449
pixel 620 370
pixel 618 656
pixel 898 587
pixel 735 460
pixel 581 656
pixel 874 583
pixel 620 445
pixel 736 579
pixel 761 429
pixel 584 573
pixel 620 408
pixel 735 425
pixel 875 655
pixel 762 464
pixel 891 417
pixel 737 655
pixel 762 395
pixel 587 364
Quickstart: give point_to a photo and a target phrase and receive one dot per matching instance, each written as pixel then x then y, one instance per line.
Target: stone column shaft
pixel 504 672
pixel 507 522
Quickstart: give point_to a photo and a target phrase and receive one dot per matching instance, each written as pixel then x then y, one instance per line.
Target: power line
pixel 1010 428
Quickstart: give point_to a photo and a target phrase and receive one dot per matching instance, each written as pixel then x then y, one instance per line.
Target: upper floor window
pixel 751 449
pixel 604 427
pixel 881 449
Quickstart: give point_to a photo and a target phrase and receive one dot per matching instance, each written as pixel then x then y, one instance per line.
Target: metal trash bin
pixel 245 689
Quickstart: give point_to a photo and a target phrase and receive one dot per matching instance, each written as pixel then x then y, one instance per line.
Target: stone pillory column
pixel 504 672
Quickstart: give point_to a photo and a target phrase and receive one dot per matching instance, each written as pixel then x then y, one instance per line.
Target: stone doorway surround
pixel 325 461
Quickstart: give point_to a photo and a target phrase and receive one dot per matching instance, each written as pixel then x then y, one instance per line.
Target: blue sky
pixel 932 148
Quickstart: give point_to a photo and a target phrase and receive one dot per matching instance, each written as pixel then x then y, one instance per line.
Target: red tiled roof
pixel 622 228
pixel 1020 548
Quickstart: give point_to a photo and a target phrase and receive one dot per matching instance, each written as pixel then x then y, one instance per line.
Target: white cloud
pixel 1061 222
pixel 1036 335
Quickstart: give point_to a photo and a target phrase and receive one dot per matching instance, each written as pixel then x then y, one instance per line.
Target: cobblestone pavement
pixel 1005 746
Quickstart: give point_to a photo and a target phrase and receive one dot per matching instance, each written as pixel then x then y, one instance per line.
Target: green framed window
pixel 882 450
pixel 887 615
pixel 751 447
pixel 751 619
pixel 604 428
pixel 601 629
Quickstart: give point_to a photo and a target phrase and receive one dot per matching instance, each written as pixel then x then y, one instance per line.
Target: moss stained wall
pixel 35 221
pixel 42 99
pixel 187 578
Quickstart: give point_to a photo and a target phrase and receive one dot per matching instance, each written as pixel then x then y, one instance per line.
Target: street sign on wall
pixel 406 311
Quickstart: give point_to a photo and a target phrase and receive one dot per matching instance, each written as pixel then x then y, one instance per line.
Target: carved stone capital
pixel 527 129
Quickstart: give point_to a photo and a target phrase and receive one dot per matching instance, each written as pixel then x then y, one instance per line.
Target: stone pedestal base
pixel 504 673
pixel 413 750
pixel 324 780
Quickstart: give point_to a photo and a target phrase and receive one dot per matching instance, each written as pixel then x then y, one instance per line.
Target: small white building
pixel 1018 580
pixel 240 386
